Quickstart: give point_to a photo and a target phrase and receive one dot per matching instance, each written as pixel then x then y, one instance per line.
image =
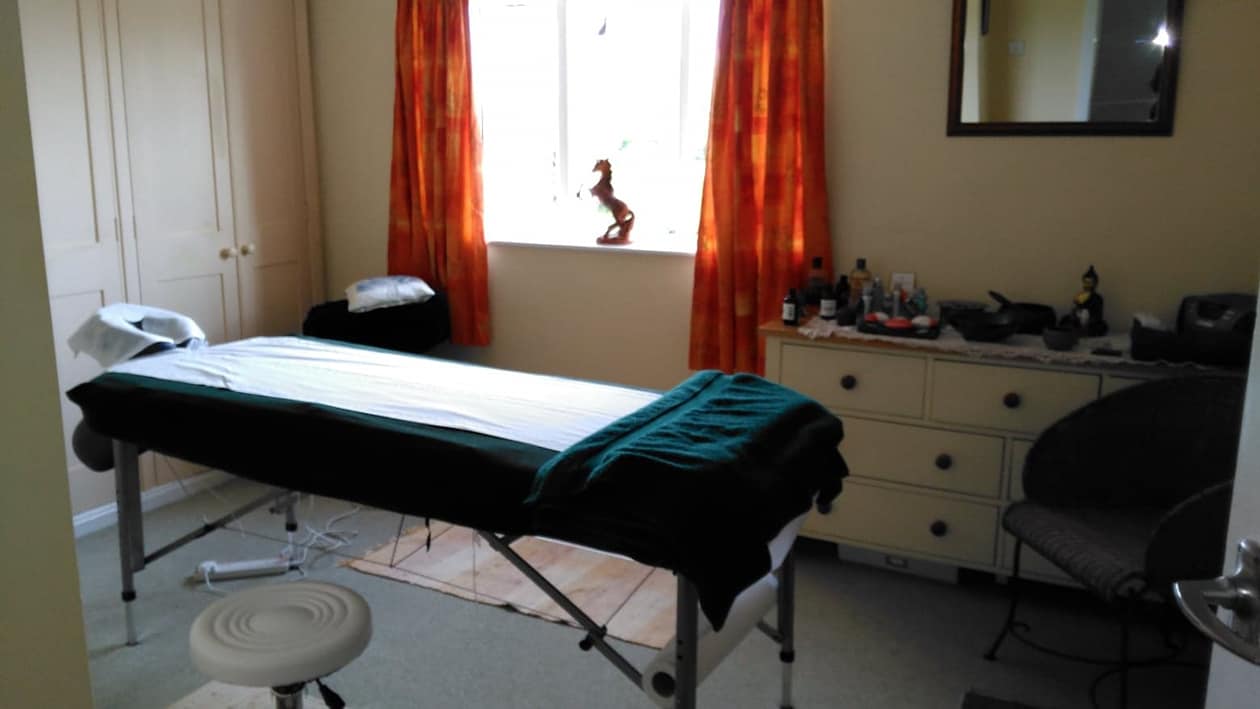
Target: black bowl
pixel 1060 338
pixel 985 326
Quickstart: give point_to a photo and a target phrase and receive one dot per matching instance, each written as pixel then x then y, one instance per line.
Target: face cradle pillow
pixel 386 291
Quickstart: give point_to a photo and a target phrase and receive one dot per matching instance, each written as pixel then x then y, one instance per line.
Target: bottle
pixel 827 304
pixel 858 278
pixel 816 285
pixel 877 296
pixel 842 293
pixel 791 314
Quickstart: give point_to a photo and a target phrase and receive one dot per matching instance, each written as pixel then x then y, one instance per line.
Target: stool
pixel 281 636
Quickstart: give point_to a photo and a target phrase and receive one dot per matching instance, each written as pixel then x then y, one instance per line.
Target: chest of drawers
pixel 935 439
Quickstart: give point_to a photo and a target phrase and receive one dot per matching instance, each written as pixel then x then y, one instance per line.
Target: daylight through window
pixel 562 83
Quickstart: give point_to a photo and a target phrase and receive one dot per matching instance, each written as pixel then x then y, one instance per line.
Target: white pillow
pixel 386 291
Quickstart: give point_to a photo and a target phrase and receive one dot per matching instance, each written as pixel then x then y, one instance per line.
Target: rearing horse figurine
pixel 622 215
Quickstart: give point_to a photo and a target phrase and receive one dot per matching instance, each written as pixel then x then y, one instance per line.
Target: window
pixel 562 83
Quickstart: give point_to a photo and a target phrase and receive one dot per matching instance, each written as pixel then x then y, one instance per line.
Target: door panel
pixel 268 184
pixel 173 101
pixel 63 49
pixel 88 489
pixel 1234 682
pixel 201 298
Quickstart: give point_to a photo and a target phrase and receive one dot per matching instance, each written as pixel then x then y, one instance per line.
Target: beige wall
pixel 43 662
pixel 1159 217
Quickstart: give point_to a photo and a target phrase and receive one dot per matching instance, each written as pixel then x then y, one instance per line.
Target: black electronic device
pixel 1211 329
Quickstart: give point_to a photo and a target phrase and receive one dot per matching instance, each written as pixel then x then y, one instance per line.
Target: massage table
pixel 710 480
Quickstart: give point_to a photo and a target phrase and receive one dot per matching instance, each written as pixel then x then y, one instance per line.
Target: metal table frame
pixel 687 616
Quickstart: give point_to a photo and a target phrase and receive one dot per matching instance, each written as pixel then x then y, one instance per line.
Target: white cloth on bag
pixel 386 291
pixel 118 332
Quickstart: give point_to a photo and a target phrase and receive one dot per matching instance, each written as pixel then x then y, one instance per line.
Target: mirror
pixel 1063 67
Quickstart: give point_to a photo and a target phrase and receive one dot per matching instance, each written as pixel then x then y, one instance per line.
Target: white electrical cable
pixel 234 524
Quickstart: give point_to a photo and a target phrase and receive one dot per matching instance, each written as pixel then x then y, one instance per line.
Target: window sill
pixel 650 247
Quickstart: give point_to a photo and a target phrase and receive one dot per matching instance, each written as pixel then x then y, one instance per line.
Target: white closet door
pixel 260 61
pixel 64 51
pixel 169 83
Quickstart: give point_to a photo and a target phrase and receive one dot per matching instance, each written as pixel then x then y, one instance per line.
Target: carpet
pixel 975 700
pixel 634 601
pixel 217 695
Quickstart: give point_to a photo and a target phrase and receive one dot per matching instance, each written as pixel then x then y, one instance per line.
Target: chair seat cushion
pixel 1102 548
pixel 280 634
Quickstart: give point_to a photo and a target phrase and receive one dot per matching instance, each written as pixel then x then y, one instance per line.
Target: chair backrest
pixel 1150 445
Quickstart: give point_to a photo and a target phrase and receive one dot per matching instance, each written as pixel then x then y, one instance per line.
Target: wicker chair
pixel 1129 494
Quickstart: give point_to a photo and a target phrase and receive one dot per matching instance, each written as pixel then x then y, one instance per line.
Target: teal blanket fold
pixel 699 481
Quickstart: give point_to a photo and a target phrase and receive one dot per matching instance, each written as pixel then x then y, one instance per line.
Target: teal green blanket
pixel 699 481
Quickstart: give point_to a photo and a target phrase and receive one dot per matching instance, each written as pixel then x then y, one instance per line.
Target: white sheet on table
pixel 549 412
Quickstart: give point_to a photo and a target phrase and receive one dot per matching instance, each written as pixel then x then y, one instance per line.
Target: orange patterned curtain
pixel 435 228
pixel 764 207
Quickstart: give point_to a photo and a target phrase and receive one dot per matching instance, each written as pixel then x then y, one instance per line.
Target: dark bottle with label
pixel 791 309
pixel 827 304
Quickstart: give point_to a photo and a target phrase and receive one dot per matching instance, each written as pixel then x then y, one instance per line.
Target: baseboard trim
pixel 98 518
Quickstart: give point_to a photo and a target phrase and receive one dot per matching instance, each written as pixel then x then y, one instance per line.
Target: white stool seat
pixel 280 634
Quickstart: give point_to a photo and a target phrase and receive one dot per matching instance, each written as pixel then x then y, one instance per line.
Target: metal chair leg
pixel 1009 624
pixel 1125 622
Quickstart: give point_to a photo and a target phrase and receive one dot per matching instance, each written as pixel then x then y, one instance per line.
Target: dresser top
pixel 1018 348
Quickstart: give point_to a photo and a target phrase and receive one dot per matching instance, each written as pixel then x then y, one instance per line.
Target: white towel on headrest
pixel 118 332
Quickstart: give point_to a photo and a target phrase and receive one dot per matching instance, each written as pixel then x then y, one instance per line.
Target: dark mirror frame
pixel 1163 125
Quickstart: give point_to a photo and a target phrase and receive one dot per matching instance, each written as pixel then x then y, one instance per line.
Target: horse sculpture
pixel 623 217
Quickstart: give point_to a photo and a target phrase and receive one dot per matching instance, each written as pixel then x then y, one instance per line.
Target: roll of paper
pixel 750 607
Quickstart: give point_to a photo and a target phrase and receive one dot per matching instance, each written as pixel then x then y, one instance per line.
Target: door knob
pixel 247 249
pixel 1239 592
pixel 227 253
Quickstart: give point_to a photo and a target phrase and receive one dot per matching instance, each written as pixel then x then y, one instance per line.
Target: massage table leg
pixel 130 525
pixel 787 613
pixel 687 620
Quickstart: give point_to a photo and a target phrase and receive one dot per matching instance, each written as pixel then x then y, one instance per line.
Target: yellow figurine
pixel 1087 307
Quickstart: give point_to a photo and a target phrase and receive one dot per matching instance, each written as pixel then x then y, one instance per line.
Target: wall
pixel 43 661
pixel 1158 217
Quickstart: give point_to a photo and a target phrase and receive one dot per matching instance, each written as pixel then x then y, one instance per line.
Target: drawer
pixel 1031 563
pixel 1113 384
pixel 860 381
pixel 904 520
pixel 1009 398
pixel 962 462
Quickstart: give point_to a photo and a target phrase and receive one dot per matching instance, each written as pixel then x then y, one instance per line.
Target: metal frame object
pixel 687 616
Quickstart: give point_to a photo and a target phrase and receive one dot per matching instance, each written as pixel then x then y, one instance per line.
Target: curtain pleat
pixel 435 198
pixel 764 205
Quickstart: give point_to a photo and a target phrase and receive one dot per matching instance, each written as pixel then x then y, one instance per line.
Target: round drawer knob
pixel 248 249
pixel 939 528
pixel 824 508
pixel 227 253
pixel 848 382
pixel 944 461
pixel 1012 400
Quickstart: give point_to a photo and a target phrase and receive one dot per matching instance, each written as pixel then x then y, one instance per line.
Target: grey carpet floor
pixel 867 638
